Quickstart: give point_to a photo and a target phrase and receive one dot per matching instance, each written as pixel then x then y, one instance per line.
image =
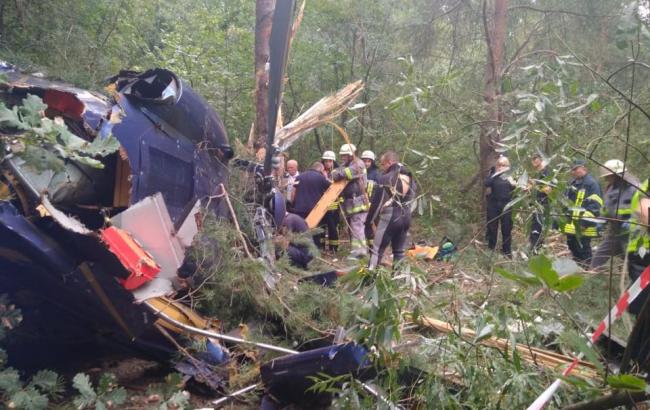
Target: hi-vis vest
pixel 639 236
pixel 577 222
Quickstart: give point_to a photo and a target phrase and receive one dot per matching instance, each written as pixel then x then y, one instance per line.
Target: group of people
pixel 620 215
pixel 374 206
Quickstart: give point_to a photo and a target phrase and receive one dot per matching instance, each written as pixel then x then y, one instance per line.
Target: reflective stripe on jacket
pixel 639 235
pixel 586 197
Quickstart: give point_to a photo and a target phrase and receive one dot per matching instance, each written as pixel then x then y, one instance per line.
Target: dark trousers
pixel 330 223
pixel 635 267
pixel 495 217
pixel 536 237
pixel 370 233
pixel 580 248
pixel 392 228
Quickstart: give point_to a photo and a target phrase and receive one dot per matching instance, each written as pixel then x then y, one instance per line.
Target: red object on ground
pixel 136 260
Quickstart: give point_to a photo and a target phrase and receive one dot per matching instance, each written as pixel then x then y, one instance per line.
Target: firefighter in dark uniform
pixel 372 170
pixel 580 225
pixel 330 222
pixel 391 209
pixel 621 186
pixel 500 185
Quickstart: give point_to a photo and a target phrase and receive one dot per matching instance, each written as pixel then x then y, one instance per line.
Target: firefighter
pixel 621 186
pixel 500 185
pixel 355 202
pixel 586 201
pixel 330 222
pixel 536 238
pixel 638 248
pixel 369 158
pixel 391 209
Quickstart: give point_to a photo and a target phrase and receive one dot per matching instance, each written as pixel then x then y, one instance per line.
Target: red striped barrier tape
pixel 617 311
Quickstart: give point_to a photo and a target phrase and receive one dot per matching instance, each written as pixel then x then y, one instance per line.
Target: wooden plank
pixel 332 193
pixel 122 191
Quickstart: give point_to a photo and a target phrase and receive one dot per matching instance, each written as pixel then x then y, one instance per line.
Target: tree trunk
pixel 495 15
pixel 263 21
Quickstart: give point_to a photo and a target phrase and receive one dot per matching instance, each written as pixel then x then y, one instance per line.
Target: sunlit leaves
pixel 46 142
pixel 542 272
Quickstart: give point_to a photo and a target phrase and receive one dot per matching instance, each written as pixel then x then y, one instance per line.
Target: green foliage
pixel 543 272
pixel 172 397
pixel 44 385
pixel 386 298
pixel 107 394
pixel 627 382
pixel 42 137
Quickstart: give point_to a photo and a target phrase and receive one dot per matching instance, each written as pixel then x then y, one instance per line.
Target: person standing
pixel 355 201
pixel 332 217
pixel 391 209
pixel 308 188
pixel 580 225
pixel 292 174
pixel 500 185
pixel 621 186
pixel 542 189
pixel 369 158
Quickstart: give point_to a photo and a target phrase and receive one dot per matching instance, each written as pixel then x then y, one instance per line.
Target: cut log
pixel 332 193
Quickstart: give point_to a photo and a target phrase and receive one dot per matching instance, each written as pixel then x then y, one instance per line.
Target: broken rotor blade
pixel 278 50
pixel 215 335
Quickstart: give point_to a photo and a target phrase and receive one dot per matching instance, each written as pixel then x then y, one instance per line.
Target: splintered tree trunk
pixel 495 15
pixel 263 21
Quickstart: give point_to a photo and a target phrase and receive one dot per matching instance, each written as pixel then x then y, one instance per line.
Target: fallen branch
pixel 234 218
pixel 531 355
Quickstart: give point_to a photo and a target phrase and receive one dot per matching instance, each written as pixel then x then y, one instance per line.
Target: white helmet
pixel 613 166
pixel 329 155
pixel 347 149
pixel 368 155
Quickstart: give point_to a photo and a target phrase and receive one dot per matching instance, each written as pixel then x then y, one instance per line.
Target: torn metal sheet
pixel 190 227
pixel 154 288
pixel 47 209
pixel 149 223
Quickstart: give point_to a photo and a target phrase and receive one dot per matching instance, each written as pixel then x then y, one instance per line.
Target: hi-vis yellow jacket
pixel 587 202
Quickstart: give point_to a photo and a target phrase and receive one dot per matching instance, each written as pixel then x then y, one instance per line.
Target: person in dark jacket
pixel 299 254
pixel 372 171
pixel 309 187
pixel 390 209
pixel 580 225
pixel 542 189
pixel 621 186
pixel 500 185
